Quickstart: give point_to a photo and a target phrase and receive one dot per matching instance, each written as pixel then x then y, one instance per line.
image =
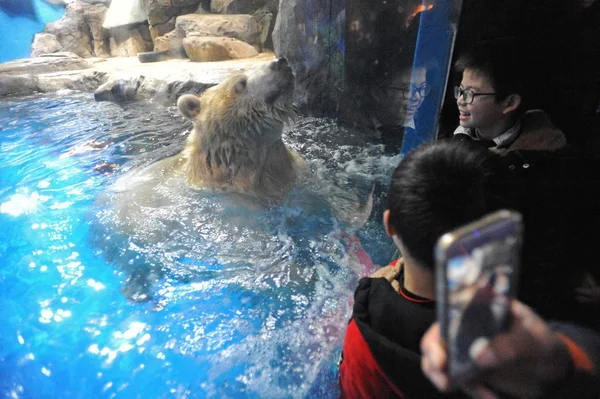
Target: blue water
pixel 256 310
pixel 20 20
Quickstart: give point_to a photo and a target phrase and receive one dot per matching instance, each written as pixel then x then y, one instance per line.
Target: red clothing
pixel 381 356
pixel 358 357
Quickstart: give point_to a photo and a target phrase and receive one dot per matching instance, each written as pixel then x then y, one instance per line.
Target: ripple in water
pixel 245 302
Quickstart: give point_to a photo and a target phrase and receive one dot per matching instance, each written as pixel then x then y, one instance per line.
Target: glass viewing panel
pixel 396 67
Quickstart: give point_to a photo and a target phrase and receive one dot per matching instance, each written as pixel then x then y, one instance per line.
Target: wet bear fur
pixel 235 147
pixel 236 143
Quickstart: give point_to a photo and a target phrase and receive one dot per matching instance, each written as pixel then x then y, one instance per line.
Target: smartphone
pixel 476 276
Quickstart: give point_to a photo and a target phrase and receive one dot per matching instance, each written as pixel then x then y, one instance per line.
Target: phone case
pixel 476 274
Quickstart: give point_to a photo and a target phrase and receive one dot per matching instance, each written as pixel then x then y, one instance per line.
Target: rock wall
pixel 80 30
pixel 163 13
pixel 99 28
pixel 310 35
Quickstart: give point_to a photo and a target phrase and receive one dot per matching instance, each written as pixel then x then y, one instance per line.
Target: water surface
pixel 247 303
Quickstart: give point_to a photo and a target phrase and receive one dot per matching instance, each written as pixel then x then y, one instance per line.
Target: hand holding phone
pixel 527 361
pixel 476 270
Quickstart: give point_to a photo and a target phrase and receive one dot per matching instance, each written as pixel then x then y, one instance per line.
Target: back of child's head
pixel 436 188
pixel 502 62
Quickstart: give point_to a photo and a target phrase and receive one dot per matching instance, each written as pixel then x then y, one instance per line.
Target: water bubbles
pixel 125 347
pixel 94 349
pixel 60 205
pixel 110 355
pixel 25 359
pixel 46 316
pixel 22 203
pixel 135 328
pixel 19 390
pixel 143 339
pixel 95 284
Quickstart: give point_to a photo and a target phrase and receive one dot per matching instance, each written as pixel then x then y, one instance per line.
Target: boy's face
pixel 418 80
pixel 392 108
pixel 485 112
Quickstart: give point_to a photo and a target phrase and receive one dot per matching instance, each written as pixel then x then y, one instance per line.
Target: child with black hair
pixel 551 177
pixel 436 188
pixel 491 99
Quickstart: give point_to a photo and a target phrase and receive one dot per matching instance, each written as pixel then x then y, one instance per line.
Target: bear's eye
pixel 241 85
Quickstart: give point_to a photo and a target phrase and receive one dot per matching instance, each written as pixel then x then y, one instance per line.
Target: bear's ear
pixel 189 106
pixel 240 86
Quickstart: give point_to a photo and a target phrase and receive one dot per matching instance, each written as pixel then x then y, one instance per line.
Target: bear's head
pixel 263 97
pixel 238 124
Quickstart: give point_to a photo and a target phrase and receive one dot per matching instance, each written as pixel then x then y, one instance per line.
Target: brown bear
pixel 236 142
pixel 235 147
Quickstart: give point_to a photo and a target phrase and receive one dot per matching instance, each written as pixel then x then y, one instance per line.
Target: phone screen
pixel 477 267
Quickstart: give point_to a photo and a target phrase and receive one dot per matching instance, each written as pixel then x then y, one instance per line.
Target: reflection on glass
pixel 398 98
pixel 397 56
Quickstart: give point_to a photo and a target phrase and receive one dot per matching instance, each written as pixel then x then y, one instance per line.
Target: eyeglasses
pixel 408 91
pixel 468 95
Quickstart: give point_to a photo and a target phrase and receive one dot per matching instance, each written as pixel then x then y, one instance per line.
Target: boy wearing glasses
pixel 491 102
pixel 490 99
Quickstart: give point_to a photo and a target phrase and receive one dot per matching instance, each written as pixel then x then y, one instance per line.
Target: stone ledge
pixel 164 81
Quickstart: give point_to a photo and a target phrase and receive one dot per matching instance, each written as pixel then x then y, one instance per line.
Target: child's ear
pixel 511 103
pixel 386 223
